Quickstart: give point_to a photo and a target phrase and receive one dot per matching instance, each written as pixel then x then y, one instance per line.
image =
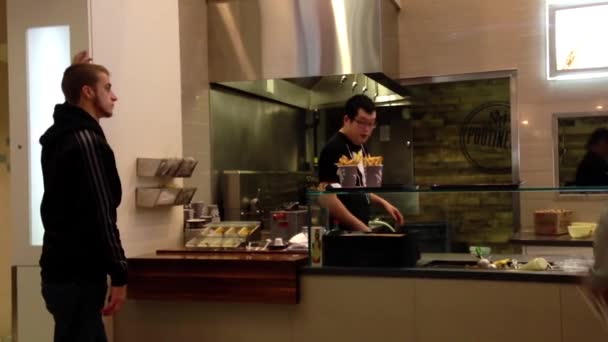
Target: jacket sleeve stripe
pixel 91 154
pixel 104 186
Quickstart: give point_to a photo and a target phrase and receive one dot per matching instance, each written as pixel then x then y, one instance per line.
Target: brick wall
pixel 438 116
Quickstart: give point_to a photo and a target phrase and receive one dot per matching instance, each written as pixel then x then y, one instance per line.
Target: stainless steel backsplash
pixel 269 190
pixel 254 134
pixel 257 135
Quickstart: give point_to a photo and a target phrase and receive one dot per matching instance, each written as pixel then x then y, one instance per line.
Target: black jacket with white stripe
pixel 81 193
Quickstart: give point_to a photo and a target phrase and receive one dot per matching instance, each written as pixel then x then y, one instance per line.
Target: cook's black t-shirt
pixel 337 146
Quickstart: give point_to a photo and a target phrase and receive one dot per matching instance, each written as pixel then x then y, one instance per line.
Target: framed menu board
pixel 576 34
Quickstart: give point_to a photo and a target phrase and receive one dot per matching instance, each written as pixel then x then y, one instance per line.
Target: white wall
pixel 195 94
pixel 141 49
pixel 21 15
pixel 140 46
pixel 438 37
pixel 5 231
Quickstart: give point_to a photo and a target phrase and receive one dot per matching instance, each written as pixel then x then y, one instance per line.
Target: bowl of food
pixel 592 224
pixel 580 231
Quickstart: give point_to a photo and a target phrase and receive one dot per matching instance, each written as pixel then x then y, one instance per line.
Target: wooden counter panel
pixel 241 277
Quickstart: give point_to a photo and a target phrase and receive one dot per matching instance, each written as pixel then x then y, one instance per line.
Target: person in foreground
pixel 593 169
pixel 82 191
pixel 598 280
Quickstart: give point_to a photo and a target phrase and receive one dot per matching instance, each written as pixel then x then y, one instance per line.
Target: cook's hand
pixel 82 57
pixel 364 228
pixel 394 212
pixel 118 295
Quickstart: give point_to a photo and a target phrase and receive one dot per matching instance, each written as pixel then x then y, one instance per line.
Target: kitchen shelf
pixel 161 197
pixel 166 167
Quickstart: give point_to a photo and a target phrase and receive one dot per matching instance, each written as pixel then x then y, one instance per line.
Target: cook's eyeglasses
pixel 364 124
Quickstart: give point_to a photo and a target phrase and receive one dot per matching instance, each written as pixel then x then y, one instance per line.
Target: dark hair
pixel 599 135
pixel 77 76
pixel 359 102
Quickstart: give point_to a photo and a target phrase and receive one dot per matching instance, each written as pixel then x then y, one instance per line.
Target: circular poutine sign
pixel 485 137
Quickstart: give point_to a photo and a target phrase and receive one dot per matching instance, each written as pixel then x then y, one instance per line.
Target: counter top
pixel 423 271
pixel 532 239
pixel 225 257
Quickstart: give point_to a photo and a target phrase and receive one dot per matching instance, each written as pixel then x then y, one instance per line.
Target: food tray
pixel 226 234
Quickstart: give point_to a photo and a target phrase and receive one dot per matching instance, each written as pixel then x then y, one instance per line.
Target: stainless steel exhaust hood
pixel 279 39
pixel 321 92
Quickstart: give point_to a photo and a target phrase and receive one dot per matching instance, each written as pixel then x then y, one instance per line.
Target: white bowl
pixel 592 224
pixel 580 231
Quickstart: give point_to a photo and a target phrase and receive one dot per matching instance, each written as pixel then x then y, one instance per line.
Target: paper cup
pixel 348 176
pixel 373 176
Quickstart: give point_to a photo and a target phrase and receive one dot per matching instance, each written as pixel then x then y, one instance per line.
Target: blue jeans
pixel 76 308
